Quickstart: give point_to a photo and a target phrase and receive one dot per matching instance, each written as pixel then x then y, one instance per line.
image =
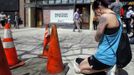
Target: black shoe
pixel 79 60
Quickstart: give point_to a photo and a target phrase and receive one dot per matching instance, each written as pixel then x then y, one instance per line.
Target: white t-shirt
pixel 76 16
pixel 129 13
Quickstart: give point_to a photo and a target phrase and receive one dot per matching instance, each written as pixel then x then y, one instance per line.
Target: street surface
pixel 29 43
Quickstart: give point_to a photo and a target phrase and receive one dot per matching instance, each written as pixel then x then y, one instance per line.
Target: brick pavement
pixel 29 43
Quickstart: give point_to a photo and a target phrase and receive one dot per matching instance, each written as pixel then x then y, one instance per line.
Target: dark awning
pixel 9 5
pixel 37 3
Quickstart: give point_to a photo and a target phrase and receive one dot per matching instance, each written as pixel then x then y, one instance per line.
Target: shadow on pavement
pixel 99 73
pixel 27 74
pixel 122 72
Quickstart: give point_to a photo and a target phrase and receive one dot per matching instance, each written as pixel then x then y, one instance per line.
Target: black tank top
pixel 109 31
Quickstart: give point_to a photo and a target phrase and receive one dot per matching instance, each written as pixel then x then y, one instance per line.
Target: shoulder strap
pixel 110 45
pixel 119 20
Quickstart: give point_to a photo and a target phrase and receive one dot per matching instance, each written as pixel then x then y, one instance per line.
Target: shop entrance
pixel 85 11
pixel 39 17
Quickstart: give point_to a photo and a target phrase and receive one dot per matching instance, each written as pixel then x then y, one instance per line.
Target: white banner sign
pixel 61 16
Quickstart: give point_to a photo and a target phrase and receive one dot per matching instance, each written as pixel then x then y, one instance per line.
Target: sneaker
pixel 76 68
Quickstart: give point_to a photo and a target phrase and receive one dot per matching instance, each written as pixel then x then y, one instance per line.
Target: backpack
pixel 123 54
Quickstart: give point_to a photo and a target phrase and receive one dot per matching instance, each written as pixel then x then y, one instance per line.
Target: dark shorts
pixel 97 65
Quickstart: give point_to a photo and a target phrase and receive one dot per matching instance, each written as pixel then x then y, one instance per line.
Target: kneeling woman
pixel 108 35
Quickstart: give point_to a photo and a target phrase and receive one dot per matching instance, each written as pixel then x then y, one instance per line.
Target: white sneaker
pixel 76 68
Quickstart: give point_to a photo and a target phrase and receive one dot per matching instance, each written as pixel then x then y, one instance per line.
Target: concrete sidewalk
pixel 29 43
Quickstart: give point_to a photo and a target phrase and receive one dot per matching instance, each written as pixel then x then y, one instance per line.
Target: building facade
pixel 41 12
pixel 9 7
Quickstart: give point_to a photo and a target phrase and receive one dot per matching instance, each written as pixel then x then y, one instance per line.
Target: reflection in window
pixel 58 1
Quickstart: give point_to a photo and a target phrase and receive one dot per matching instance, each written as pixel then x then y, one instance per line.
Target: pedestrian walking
pixel 1 26
pixel 108 35
pixel 16 20
pixel 76 19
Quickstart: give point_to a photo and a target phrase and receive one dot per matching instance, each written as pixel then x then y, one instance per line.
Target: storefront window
pixel 71 1
pixel 58 1
pixel 86 1
pixel 51 1
pixel 45 1
pixel 64 1
pixel 32 0
pixel 79 1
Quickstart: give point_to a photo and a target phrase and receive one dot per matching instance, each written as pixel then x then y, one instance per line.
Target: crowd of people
pixel 127 17
pixel 125 14
pixel 5 18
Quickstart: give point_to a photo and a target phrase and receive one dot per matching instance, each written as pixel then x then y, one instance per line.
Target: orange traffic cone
pixel 46 42
pixel 4 69
pixel 54 64
pixel 10 49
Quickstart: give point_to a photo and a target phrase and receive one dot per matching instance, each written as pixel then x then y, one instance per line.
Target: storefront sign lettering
pixel 61 16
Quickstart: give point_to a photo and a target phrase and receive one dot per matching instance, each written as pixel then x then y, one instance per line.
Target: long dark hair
pixel 98 3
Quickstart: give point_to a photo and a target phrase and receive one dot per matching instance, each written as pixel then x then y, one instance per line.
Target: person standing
pixel 76 19
pixel 116 6
pixel 95 22
pixel 2 19
pixel 128 19
pixel 108 34
pixel 16 20
pixel 132 23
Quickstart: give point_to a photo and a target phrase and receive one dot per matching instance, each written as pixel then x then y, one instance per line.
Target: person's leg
pixel 17 25
pixel 128 28
pixel 74 27
pixel 3 23
pixel 84 65
pixel 85 68
pixel 91 71
pixel 89 65
pixel 94 25
pixel 78 25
